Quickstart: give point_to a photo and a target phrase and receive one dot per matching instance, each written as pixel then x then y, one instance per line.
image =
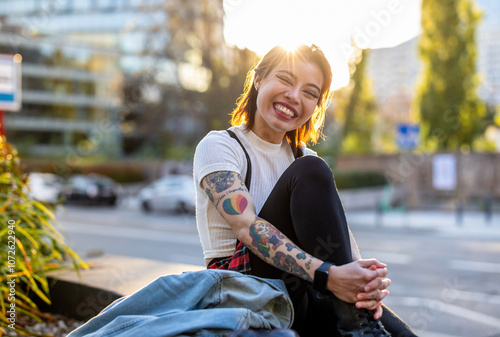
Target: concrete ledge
pixel 108 278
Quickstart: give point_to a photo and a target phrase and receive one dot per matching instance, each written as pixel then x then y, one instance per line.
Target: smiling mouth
pixel 284 110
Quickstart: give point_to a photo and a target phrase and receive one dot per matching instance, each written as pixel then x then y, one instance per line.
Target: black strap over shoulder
pixel 248 178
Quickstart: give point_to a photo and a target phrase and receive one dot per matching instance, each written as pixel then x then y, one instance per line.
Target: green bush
pixel 358 179
pixel 31 245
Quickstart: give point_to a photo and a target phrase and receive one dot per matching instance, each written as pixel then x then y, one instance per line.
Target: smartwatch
pixel 321 277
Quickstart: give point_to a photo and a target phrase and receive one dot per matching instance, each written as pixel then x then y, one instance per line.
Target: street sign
pixel 407 136
pixel 10 82
pixel 444 172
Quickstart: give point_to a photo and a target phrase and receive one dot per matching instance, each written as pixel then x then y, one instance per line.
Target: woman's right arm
pixel 230 196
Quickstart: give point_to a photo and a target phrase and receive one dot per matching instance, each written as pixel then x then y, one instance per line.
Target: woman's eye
pixel 312 94
pixel 284 79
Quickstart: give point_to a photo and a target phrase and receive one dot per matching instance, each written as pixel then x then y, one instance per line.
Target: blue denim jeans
pixel 204 303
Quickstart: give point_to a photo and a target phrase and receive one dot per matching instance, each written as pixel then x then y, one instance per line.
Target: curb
pixel 108 278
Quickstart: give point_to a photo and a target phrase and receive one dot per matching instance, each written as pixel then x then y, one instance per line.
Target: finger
pixel 377 295
pixel 366 263
pixel 374 284
pixel 386 282
pixel 369 305
pixel 381 272
pixel 378 282
pixel 370 296
pixel 378 312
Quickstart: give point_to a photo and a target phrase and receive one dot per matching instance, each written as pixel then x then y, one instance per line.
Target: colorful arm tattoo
pixel 235 205
pixel 290 265
pixel 263 235
pixel 301 255
pixel 217 186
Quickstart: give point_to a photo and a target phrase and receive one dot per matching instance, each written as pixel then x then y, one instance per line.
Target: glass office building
pixel 76 55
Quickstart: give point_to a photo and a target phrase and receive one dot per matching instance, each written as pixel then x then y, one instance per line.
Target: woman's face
pixel 286 99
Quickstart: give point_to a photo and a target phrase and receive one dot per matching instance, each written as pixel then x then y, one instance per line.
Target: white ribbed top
pixel 219 152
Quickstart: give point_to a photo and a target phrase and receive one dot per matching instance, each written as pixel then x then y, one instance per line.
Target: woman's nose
pixel 293 94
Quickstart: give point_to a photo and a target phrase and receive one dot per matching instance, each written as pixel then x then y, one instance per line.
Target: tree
pixel 447 103
pixel 196 27
pixel 354 111
pixel 210 78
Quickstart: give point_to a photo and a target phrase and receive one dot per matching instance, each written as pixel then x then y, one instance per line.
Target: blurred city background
pixel 105 101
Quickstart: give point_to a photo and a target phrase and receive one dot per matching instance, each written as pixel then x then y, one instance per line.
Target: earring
pixel 256 86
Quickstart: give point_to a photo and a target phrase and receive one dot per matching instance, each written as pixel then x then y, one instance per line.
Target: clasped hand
pixel 362 282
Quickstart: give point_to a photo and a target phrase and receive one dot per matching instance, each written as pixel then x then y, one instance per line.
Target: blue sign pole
pixel 408 136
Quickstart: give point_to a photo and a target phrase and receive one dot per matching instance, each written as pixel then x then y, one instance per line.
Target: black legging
pixel 305 206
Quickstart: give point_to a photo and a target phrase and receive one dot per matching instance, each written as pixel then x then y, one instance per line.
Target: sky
pixel 260 25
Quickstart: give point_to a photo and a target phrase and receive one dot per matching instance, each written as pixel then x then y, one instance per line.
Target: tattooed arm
pixel 230 196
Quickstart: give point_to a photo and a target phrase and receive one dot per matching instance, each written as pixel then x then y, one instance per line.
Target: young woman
pixel 284 219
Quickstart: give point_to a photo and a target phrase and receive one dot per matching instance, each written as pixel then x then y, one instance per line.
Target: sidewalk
pixel 471 224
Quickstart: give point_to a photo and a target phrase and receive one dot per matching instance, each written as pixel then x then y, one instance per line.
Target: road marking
pixel 484 267
pixel 387 257
pixel 130 233
pixel 432 334
pixel 439 306
pixel 478 297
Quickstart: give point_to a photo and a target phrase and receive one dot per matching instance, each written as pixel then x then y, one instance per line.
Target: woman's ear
pixel 256 83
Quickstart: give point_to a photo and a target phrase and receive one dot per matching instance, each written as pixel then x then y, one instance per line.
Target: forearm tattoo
pixel 290 265
pixel 264 236
pixel 266 239
pixel 301 255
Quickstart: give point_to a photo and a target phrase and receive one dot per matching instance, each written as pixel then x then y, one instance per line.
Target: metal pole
pixel 460 212
pixel 488 209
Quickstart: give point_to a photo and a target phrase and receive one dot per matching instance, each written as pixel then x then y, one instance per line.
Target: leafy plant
pixel 31 245
pixel 358 179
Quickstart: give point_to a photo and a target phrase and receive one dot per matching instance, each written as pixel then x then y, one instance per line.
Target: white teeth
pixel 284 110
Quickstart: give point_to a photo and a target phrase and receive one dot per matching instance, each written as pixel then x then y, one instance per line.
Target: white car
pixel 169 193
pixel 44 186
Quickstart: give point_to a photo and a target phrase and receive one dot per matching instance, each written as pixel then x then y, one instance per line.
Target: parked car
pixel 44 186
pixel 91 188
pixel 169 193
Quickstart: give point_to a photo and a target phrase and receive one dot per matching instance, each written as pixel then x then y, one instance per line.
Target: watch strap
pixel 321 277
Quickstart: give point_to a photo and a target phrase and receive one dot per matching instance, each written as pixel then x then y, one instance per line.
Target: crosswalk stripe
pixel 484 267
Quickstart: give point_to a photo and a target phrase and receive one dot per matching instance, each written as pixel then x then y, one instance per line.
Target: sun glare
pixel 290 46
pixel 331 25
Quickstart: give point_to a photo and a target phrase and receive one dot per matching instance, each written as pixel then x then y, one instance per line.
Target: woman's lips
pixel 285 109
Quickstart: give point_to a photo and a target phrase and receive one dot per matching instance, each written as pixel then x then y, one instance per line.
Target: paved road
pixel 445 279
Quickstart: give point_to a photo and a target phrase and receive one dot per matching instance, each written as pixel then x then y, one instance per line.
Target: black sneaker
pixel 365 326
